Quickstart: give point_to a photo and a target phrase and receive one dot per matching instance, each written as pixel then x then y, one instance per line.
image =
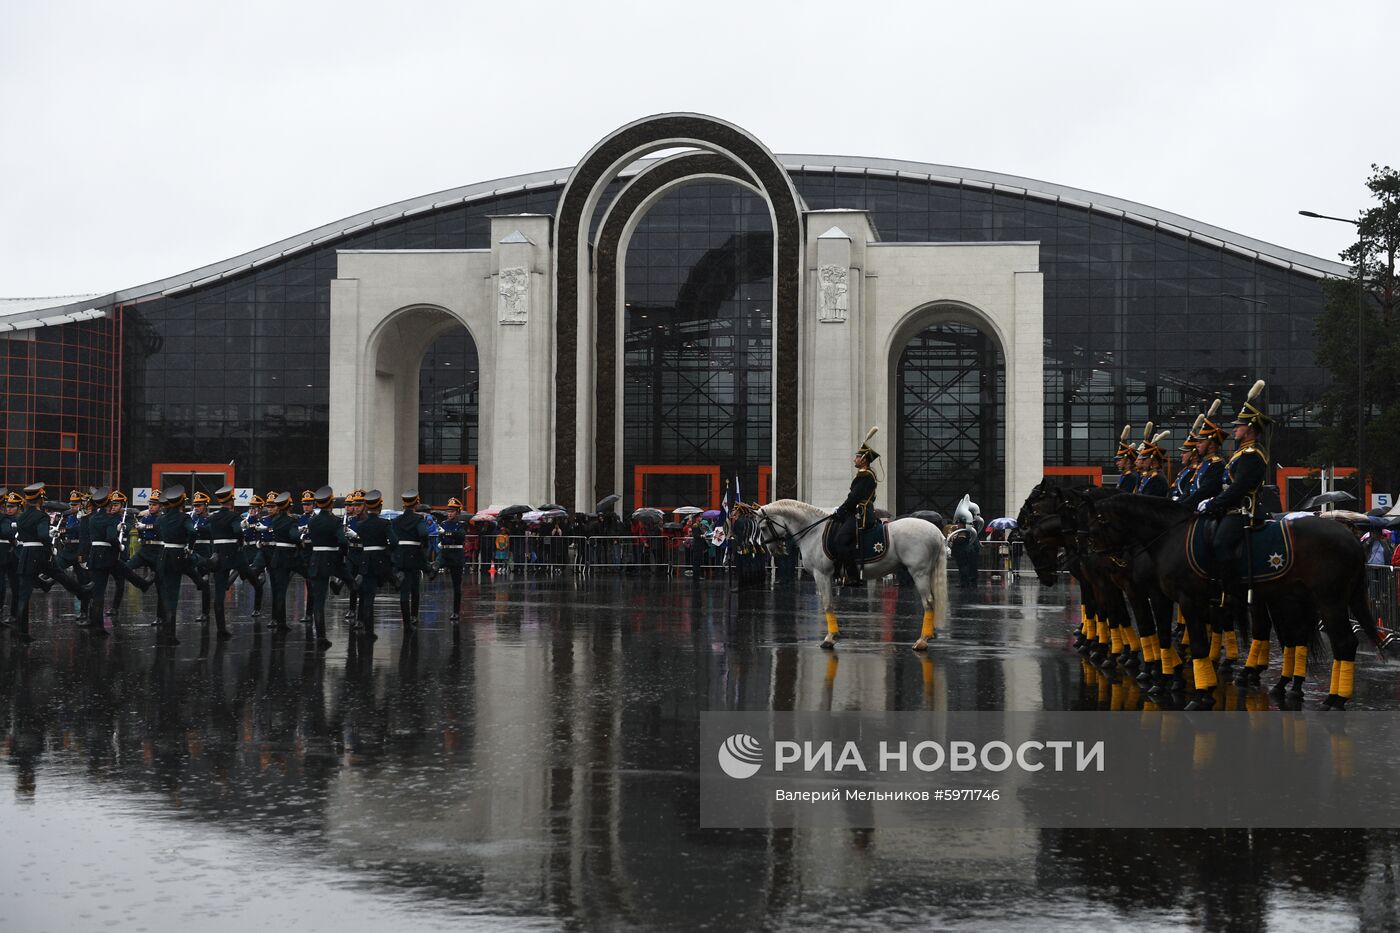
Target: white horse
pixel 914 544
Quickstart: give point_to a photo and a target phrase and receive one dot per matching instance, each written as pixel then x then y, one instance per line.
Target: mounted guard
pixel 855 514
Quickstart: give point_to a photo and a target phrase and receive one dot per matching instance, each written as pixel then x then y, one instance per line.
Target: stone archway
pixel 576 373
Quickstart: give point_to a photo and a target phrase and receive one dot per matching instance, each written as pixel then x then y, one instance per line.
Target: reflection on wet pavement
pixel 534 767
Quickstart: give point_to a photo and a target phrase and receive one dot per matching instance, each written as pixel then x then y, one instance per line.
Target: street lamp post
pixel 1360 360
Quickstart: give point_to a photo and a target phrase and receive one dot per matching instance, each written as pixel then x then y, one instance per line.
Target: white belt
pixel 410 544
pixel 168 544
pixel 282 544
pixel 225 540
pixel 375 547
pixel 31 544
pixel 102 544
pixel 325 549
pixel 457 547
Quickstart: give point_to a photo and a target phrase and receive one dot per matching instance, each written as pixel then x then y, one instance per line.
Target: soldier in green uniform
pixel 853 515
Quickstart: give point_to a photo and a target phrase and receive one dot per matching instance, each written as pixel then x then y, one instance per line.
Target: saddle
pixel 1270 549
pixel 872 542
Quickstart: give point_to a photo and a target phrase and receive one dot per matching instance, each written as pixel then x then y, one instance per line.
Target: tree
pixel 1373 258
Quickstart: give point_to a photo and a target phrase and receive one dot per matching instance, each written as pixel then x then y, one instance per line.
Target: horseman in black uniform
pixel 855 514
pixel 1209 479
pixel 1150 460
pixel 1181 489
pixel 1237 505
pixel 1127 453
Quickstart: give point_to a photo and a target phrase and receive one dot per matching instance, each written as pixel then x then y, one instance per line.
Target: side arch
pixel 576 375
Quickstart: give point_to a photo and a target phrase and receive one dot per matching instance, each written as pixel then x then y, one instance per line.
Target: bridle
pixel 767 535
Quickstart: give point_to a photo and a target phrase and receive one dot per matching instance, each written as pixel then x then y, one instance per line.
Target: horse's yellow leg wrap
pixel 927 631
pixel 1215 643
pixel 1116 702
pixel 1130 636
pixel 1288 655
pixel 1084 625
pixel 1345 672
pixel 1185 632
pixel 1150 651
pixel 1264 652
pixel 1102 630
pixel 1115 636
pixel 1336 675
pixel 1232 646
pixel 1169 659
pixel 831 627
pixel 1300 661
pixel 1205 673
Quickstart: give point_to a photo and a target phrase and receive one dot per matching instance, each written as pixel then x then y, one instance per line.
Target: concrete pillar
pixel 521 426
pixel 1025 391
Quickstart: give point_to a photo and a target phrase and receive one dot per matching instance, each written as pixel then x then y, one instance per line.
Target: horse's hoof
pixel 1277 689
pixel 828 643
pixel 1202 701
pixel 921 644
pixel 1295 691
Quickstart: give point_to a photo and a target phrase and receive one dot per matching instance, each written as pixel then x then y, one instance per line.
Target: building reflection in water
pixel 540 761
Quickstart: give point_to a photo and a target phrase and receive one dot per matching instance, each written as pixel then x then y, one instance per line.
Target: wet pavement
pixel 534 767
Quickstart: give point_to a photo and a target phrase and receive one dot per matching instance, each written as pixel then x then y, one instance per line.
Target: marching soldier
pixel 308 508
pixel 354 552
pixel 225 536
pixel 32 539
pixel 1127 454
pixel 10 503
pixel 326 535
pixel 202 551
pixel 375 569
pixel 176 530
pixel 284 539
pixel 853 515
pixel 409 533
pixel 452 537
pixel 148 549
pixel 70 551
pixel 106 548
pixel 254 561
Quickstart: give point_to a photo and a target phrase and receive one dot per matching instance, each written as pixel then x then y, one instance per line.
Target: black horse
pixel 1328 578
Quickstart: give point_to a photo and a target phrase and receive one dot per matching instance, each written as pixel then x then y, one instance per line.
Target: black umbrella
pixel 1380 510
pixel 930 516
pixel 512 510
pixel 552 507
pixel 646 513
pixel 1336 497
pixel 606 505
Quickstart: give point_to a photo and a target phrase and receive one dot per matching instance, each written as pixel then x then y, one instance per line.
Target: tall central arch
pixel 578 405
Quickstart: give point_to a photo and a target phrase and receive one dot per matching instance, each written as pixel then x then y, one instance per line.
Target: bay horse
pixel 914 544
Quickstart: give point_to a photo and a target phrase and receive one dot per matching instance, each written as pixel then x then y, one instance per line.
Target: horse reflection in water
pixel 914 544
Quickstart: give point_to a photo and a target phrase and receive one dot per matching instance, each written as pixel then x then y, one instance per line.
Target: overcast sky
pixel 143 140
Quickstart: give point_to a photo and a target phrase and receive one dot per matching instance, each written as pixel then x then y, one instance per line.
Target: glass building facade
pixel 1141 323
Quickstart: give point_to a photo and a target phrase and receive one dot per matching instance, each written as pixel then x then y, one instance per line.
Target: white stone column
pixel 347 389
pixel 520 444
pixel 835 325
pixel 1025 391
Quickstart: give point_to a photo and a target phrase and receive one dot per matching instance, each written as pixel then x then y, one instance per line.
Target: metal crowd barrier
pixel 1381 583
pixel 1002 558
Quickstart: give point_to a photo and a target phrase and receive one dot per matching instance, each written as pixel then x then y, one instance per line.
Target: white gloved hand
pixel 1201 507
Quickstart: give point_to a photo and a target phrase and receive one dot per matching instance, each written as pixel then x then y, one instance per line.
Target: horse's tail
pixel 1360 604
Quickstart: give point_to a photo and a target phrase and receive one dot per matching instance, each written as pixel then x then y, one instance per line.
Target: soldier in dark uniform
pixel 148 549
pixel 855 514
pixel 10 503
pixel 68 556
pixel 202 551
pixel 225 535
pixel 326 535
pixel 117 505
pixel 1181 489
pixel 409 534
pixel 452 537
pixel 106 548
pixel 1150 460
pixel 1209 478
pixel 375 569
pixel 352 558
pixel 32 539
pixel 254 561
pixel 284 540
pixel 1127 453
pixel 302 566
pixel 176 531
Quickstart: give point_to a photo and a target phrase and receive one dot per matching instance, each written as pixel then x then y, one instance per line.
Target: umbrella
pixel 389 514
pixel 930 516
pixel 712 514
pixel 1336 497
pixel 530 517
pixel 1379 511
pixel 1005 523
pixel 552 507
pixel 671 526
pixel 607 503
pixel 510 510
pixel 686 510
pixel 487 516
pixel 648 513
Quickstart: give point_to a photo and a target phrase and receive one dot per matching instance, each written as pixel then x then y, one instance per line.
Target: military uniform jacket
pixel 1152 484
pixel 451 538
pixel 1208 481
pixel 374 544
pixel 85 535
pixel 105 544
pixel 1183 483
pixel 409 533
pixel 326 535
pixel 1245 473
pixel 860 501
pixel 283 537
pixel 225 532
pixel 1128 482
pixel 32 539
pixel 7 542
pixel 176 531
pixel 147 534
pixel 71 539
